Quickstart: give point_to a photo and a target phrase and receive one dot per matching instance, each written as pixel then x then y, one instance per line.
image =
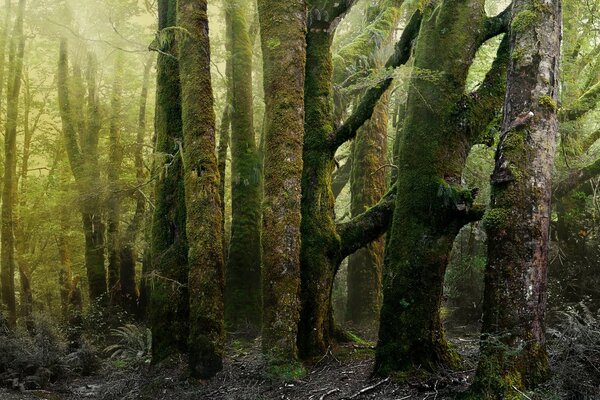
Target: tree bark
pixel 367 186
pixel 243 300
pixel 203 205
pixel 283 30
pixel 513 353
pixel 440 128
pixel 168 308
pixel 321 246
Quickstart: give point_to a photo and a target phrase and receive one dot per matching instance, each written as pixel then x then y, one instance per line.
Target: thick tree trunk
pixel 431 204
pixel 322 249
pixel 169 308
pixel 243 300
pixel 513 353
pixel 318 220
pixel 203 205
pixel 7 275
pixel 283 23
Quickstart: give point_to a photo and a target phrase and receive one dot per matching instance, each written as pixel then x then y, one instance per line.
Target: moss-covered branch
pixel 364 111
pixel 590 140
pixel 326 14
pixel 582 105
pixel 576 178
pixel 480 108
pixel 496 25
pixel 363 229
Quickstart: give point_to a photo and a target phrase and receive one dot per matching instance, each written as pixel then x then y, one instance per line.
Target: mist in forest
pixel 299 199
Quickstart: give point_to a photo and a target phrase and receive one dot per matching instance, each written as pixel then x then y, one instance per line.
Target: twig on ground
pixel 522 394
pixel 332 391
pixel 368 389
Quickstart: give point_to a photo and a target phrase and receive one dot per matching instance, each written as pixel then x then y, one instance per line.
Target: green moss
pixel 287 372
pixel 517 54
pixel 495 218
pixel 548 101
pixel 273 43
pixel 523 21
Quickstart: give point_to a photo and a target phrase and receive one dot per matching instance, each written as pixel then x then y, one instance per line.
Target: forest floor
pixel 343 373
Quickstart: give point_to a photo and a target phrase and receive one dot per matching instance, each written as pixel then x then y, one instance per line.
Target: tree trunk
pixel 432 205
pixel 128 292
pixel 115 158
pixel 318 220
pixel 322 246
pixel 243 300
pixel 283 23
pixel 513 353
pixel 367 186
pixel 81 142
pixel 201 177
pixel 169 308
pixel 17 46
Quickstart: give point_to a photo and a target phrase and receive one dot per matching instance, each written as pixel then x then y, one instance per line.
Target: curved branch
pixel 364 111
pixel 368 226
pixel 495 26
pixel 576 178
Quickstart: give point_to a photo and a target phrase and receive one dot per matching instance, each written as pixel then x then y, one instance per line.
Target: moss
pixel 524 21
pixel 548 101
pixel 243 300
pixel 284 121
pixel 496 218
pixel 287 372
pixel 273 43
pixel 517 54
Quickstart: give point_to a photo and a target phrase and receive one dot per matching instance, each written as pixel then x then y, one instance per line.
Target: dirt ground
pixel 343 373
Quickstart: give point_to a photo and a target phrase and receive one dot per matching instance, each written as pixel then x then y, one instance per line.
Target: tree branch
pixel 368 226
pixel 575 179
pixel 582 105
pixel 497 25
pixel 365 109
pixel 590 140
pixel 479 108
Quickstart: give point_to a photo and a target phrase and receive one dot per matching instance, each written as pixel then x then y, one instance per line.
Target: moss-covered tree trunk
pixel 113 206
pixel 513 354
pixel 324 246
pixel 168 309
pixel 440 127
pixel 318 220
pixel 203 204
pixel 15 68
pixel 243 301
pixel 283 30
pixel 367 186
